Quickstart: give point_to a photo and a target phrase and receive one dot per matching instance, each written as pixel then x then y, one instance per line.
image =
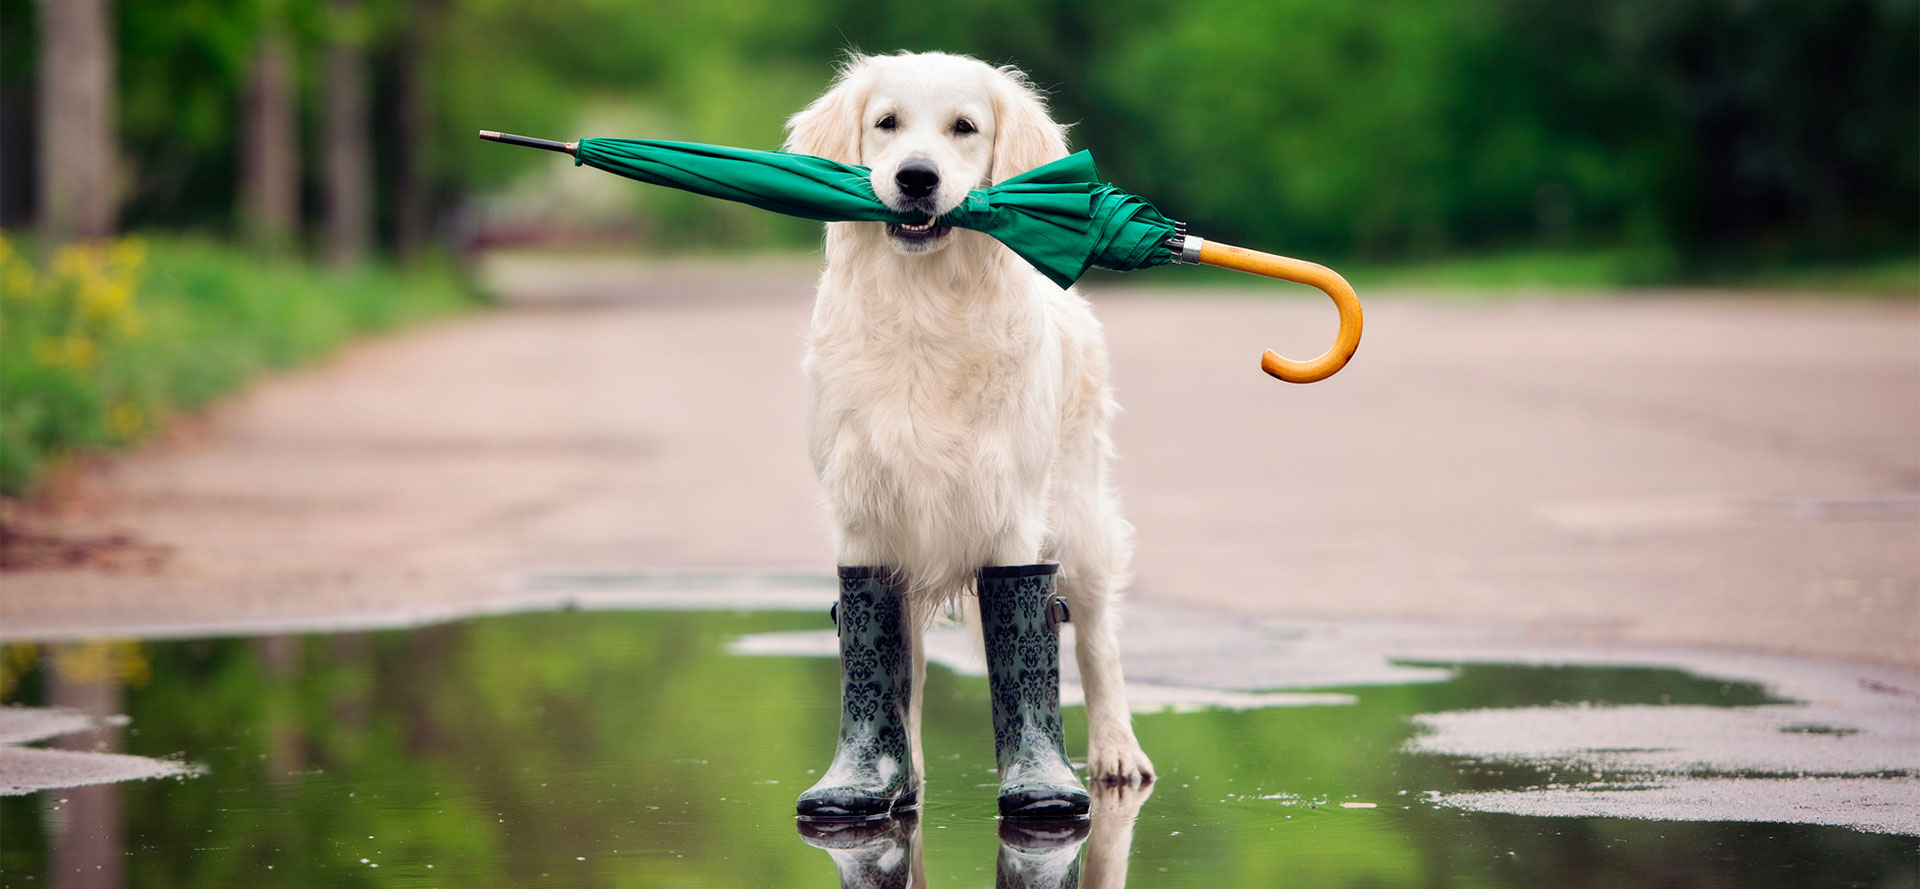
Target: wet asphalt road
pixel 1691 469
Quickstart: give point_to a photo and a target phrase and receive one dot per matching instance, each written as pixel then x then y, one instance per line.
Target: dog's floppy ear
pixel 831 126
pixel 1024 136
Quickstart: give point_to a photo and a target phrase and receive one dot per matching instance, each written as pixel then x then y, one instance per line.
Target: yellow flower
pixel 128 255
pixel 76 352
pixel 105 299
pixel 131 324
pixel 126 419
pixel 17 280
pixel 75 261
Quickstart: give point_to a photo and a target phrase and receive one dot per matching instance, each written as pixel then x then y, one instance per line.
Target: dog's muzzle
pixel 917 180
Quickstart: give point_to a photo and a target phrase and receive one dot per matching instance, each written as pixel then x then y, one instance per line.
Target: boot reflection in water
pixel 1035 853
pixel 1040 853
pixel 882 854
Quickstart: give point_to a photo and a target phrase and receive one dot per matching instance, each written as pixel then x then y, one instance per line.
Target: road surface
pixel 1646 469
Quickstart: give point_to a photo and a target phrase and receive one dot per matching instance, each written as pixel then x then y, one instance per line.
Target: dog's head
pixel 932 126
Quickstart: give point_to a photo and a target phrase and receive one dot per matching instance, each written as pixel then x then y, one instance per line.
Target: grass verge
pixel 103 341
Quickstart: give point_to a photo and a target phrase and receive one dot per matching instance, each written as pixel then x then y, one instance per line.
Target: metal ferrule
pixel 1186 248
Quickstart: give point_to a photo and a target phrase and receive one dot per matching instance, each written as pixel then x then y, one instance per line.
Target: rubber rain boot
pixel 872 772
pixel 1020 617
pixel 882 854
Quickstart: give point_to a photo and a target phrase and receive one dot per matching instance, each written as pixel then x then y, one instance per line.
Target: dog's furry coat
pixel 960 404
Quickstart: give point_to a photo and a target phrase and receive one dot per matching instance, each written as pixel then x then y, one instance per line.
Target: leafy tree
pixel 1713 130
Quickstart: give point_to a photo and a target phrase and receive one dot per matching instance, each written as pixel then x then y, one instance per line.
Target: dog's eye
pixel 963 126
pixel 887 123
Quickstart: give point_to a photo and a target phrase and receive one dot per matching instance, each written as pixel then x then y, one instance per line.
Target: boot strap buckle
pixel 1058 613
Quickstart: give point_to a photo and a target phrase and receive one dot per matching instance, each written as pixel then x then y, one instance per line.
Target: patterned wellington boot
pixel 1040 854
pixel 872 771
pixel 1019 616
pixel 883 854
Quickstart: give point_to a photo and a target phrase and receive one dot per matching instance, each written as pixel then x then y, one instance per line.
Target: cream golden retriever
pixel 960 404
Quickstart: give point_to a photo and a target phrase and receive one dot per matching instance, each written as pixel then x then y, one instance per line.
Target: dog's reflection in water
pixel 1034 853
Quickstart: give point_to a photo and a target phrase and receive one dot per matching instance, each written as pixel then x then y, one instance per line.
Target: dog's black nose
pixel 917 178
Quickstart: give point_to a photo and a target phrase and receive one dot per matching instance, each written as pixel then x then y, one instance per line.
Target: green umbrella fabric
pixel 1060 217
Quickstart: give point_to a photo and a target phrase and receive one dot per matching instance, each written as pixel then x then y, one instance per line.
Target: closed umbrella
pixel 1059 217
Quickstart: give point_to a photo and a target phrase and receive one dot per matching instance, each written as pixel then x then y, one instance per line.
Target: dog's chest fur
pixel 935 418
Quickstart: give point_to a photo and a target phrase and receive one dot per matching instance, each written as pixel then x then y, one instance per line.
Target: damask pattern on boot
pixel 872 771
pixel 1023 672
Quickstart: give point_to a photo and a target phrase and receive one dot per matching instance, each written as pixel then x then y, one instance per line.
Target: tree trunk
pixel 269 146
pixel 413 186
pixel 349 162
pixel 18 150
pixel 78 194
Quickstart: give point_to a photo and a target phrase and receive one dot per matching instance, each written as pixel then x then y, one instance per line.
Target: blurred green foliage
pixel 1704 132
pixel 105 340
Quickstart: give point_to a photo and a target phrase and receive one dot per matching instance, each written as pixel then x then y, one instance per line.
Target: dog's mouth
pixel 917 232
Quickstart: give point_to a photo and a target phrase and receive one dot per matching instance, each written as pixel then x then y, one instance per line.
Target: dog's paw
pixel 1118 799
pixel 1121 763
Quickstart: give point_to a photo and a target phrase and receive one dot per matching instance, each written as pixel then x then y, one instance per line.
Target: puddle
pixel 601 748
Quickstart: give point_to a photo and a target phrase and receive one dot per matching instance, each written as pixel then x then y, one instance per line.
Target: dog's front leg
pixel 1113 754
pixel 919 614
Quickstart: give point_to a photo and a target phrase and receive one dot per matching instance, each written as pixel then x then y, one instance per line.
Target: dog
pixel 959 400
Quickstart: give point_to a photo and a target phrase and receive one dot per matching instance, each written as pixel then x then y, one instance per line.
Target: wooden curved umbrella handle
pixel 1227 256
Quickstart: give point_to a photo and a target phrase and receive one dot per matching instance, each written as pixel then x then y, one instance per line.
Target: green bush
pixel 106 340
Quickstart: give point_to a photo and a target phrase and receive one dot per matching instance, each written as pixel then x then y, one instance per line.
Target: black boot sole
pixel 1055 808
pixel 908 803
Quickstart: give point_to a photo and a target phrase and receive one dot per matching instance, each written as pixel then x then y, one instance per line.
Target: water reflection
pixel 1115 810
pixel 630 749
pixel 279 658
pixel 1034 853
pixel 1040 854
pixel 882 854
pixel 86 849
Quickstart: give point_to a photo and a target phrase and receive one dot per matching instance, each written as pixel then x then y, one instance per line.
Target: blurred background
pixel 1470 144
pixel 1653 446
pixel 1695 135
